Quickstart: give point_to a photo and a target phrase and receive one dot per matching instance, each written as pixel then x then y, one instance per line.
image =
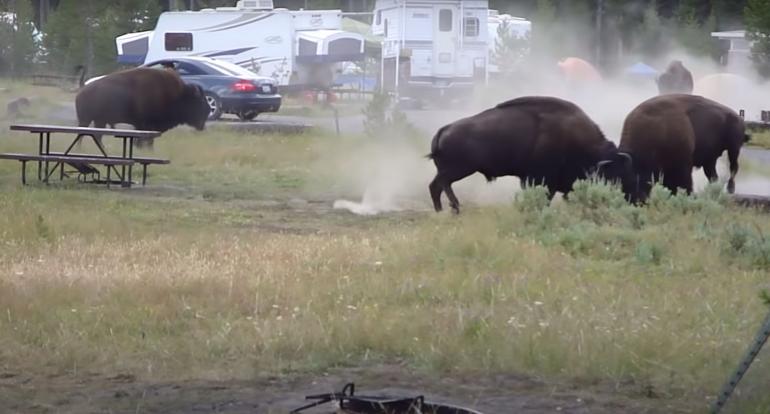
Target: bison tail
pixel 434 151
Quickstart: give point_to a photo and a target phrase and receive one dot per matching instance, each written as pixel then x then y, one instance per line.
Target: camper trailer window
pixel 471 26
pixel 445 20
pixel 179 42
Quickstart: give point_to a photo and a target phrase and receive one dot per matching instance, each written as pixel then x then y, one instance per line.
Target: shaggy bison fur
pixel 148 99
pixel 541 140
pixel 665 137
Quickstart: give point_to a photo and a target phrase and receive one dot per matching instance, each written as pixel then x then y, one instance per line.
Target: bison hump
pixel 538 103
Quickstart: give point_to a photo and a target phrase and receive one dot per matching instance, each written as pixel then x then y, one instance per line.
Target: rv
pixel 432 49
pixel 296 48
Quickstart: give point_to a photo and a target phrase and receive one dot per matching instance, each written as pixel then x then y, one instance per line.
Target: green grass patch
pixel 232 262
pixel 760 139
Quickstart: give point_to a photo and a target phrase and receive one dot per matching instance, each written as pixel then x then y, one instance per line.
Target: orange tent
pixel 576 69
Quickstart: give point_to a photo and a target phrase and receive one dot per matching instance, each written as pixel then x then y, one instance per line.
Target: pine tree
pixel 510 49
pixel 18 46
pixel 83 32
pixel 543 25
pixel 757 15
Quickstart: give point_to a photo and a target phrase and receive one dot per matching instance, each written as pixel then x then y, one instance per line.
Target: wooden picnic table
pixel 84 163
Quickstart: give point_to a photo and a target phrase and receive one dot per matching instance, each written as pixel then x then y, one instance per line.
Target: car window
pixel 184 68
pixel 231 69
pixel 159 65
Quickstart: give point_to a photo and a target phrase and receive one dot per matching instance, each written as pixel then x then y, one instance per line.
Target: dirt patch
pixel 119 393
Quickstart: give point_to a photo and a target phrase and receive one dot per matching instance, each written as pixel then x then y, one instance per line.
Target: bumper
pixel 247 103
pixel 437 90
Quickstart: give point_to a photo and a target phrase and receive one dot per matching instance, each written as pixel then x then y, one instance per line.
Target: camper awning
pixel 316 46
pixel 132 47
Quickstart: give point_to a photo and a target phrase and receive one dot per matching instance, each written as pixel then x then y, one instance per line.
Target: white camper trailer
pixel 298 48
pixel 432 48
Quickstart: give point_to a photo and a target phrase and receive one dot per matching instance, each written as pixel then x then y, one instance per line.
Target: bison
pixel 676 79
pixel 541 140
pixel 148 99
pixel 666 136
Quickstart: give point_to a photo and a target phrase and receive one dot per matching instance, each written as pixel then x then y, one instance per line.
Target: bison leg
pixel 681 178
pixel 453 202
pixel 443 181
pixel 732 154
pixel 710 169
pixel 435 188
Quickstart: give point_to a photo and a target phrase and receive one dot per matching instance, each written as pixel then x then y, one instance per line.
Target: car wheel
pixel 247 115
pixel 214 105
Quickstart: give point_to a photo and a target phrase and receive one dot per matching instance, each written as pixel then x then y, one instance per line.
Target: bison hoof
pixel 731 186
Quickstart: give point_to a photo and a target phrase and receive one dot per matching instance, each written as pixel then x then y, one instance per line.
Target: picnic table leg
pixel 40 163
pixel 130 156
pixel 99 145
pixel 109 177
pixel 77 139
pixel 23 172
pixel 144 174
pixel 123 167
pixel 47 152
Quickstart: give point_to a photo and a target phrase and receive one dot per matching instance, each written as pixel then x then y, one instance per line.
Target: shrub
pixel 532 199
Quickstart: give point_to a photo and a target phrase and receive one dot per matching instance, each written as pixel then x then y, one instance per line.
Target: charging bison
pixel 148 99
pixel 666 136
pixel 676 79
pixel 541 140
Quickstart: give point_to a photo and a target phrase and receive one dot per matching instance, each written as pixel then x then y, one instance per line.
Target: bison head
pixel 619 168
pixel 196 109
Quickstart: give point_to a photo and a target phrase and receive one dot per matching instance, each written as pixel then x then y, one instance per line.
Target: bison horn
pixel 626 155
pixel 601 164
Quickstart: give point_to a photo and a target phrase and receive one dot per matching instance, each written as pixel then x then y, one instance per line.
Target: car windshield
pixel 231 69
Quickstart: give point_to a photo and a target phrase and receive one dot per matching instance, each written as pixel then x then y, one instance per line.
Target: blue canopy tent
pixel 641 70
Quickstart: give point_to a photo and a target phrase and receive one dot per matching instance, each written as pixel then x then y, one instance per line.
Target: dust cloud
pixel 396 175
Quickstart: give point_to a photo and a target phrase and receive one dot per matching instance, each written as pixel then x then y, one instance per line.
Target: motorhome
pixel 432 48
pixel 296 48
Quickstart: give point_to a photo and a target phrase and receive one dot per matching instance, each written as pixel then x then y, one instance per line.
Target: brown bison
pixel 148 99
pixel 666 136
pixel 541 140
pixel 676 79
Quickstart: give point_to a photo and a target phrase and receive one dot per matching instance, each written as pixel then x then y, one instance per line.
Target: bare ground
pixel 24 392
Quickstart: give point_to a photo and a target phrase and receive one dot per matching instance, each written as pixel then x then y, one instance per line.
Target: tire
pixel 215 105
pixel 247 115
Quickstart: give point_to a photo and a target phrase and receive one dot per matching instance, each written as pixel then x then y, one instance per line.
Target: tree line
pixel 606 32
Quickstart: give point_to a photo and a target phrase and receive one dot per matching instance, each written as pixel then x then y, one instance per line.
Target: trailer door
pixel 445 29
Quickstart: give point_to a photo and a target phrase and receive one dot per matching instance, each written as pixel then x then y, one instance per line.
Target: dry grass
pixel 210 273
pixel 760 139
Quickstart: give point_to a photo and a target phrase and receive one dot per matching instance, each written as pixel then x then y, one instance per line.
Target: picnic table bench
pixel 84 164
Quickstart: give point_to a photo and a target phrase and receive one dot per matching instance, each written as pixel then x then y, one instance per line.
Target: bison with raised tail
pixel 148 99
pixel 541 140
pixel 665 137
